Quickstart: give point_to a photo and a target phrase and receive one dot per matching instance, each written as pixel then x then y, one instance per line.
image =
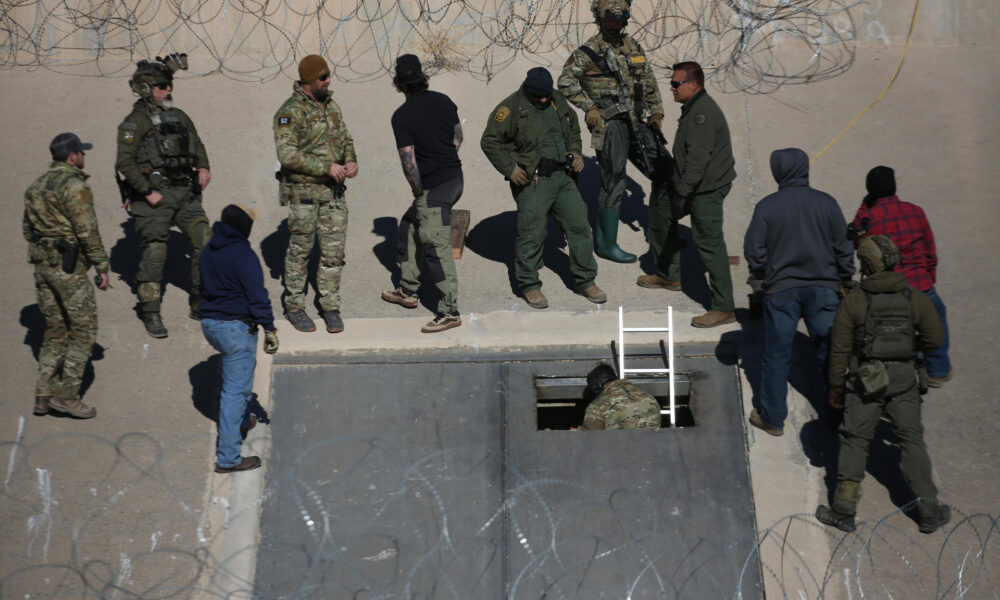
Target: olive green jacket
pixel 703 154
pixel 140 142
pixel 60 205
pixel 849 324
pixel 513 134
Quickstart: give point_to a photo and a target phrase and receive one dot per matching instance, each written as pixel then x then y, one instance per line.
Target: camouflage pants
pixel 619 147
pixel 315 212
pixel 425 236
pixel 180 207
pixel 67 302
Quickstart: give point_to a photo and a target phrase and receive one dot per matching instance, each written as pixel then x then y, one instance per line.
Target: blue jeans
pixel 936 360
pixel 239 358
pixel 817 305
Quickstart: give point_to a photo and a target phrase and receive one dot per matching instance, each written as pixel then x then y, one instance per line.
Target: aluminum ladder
pixel 624 372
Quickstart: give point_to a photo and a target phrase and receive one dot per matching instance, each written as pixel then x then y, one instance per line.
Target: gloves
pixel 518 176
pixel 270 342
pixel 594 118
pixel 577 163
pixel 680 206
pixel 655 120
pixel 836 398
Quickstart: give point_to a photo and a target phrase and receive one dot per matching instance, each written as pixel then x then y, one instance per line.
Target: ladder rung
pixel 665 411
pixel 645 370
pixel 645 329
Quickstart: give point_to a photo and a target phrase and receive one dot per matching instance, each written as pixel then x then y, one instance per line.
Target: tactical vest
pixel 888 332
pixel 169 144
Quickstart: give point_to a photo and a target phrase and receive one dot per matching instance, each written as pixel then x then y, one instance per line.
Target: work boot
pixel 245 429
pixel 401 296
pixel 606 238
pixel 194 302
pixel 939 517
pixel 300 320
pixel 714 318
pixel 759 423
pixel 442 322
pixel 154 324
pixel 828 516
pixel 657 282
pixel 936 382
pixel 535 298
pixel 593 293
pixel 41 405
pixel 248 463
pixel 73 407
pixel 334 324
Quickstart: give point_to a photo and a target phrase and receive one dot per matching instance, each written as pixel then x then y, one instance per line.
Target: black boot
pixel 607 238
pixel 194 301
pixel 828 516
pixel 154 324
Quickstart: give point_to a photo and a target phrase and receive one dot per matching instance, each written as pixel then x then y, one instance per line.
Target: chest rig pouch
pixel 169 144
pixel 888 337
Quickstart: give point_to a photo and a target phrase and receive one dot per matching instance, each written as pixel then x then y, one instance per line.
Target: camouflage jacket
pixel 622 406
pixel 513 134
pixel 154 140
pixel 310 136
pixel 703 153
pixel 584 84
pixel 60 205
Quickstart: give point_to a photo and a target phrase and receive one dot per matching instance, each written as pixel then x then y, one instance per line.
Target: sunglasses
pixel 677 84
pixel 324 77
pixel 163 86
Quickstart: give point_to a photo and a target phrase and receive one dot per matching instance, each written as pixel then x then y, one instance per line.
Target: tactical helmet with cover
pixel 149 73
pixel 611 15
pixel 877 253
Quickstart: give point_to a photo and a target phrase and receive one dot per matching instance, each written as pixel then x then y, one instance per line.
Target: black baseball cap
pixel 65 143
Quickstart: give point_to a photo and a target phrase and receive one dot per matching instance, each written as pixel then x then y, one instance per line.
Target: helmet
pixel 877 253
pixel 611 14
pixel 156 72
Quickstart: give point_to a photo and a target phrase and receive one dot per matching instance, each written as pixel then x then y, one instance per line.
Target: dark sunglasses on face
pixel 677 84
pixel 324 77
pixel 163 86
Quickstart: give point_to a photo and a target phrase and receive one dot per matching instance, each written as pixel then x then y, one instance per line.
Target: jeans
pixel 238 346
pixel 817 305
pixel 936 360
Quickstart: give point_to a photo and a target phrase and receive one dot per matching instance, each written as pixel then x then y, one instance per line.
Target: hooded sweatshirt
pixel 232 282
pixel 797 236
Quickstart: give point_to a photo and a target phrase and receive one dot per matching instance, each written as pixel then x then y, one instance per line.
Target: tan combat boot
pixel 657 282
pixel 593 293
pixel 41 405
pixel 714 318
pixel 535 298
pixel 73 407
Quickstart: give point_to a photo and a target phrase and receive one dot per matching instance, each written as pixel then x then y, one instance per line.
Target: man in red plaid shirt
pixel 883 213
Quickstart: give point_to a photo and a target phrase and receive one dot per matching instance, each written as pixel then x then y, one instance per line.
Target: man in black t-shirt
pixel 428 136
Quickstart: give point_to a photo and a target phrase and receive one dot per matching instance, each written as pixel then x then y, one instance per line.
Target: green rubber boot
pixel 607 238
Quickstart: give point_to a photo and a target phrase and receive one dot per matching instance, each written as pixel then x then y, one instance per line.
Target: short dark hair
pixel 599 376
pixel 412 83
pixel 692 70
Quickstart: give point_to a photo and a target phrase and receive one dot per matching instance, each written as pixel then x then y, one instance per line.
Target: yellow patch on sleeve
pixel 501 115
pixel 638 59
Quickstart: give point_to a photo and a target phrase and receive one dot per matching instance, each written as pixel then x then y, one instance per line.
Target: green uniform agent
pixel 590 86
pixel 309 136
pixel 519 133
pixel 59 209
pixel 622 406
pixel 159 150
pixel 901 400
pixel 703 173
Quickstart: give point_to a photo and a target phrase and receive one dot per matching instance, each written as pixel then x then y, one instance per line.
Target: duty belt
pixel 548 166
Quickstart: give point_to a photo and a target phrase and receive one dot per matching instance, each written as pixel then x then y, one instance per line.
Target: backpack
pixel 889 333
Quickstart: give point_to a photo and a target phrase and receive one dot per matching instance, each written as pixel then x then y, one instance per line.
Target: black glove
pixel 680 206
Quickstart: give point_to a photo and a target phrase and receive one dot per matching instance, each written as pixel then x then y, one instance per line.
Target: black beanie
pixel 238 219
pixel 538 82
pixel 407 66
pixel 881 182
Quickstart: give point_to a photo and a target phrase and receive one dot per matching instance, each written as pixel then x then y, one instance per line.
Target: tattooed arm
pixel 458 136
pixel 408 160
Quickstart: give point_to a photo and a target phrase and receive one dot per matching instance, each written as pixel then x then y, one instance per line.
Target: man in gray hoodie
pixel 797 246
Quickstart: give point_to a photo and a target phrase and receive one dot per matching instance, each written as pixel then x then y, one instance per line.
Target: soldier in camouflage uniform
pixel 316 152
pixel 61 228
pixel 165 169
pixel 618 404
pixel 587 82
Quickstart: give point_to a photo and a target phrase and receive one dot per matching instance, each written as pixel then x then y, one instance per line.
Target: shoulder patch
pixel 284 120
pixel 700 119
pixel 638 60
pixel 126 136
pixel 128 125
pixel 501 115
pixel 86 196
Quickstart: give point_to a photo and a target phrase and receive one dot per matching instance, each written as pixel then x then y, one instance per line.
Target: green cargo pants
pixel 181 207
pixel 619 147
pixel 902 404
pixel 706 229
pixel 556 195
pixel 425 236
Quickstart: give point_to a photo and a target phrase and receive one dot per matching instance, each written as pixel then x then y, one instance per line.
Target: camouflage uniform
pixel 159 149
pixel 585 85
pixel 60 206
pixel 622 406
pixel 310 135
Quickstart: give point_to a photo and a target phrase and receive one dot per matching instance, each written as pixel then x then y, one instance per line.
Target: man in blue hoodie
pixel 234 302
pixel 797 246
